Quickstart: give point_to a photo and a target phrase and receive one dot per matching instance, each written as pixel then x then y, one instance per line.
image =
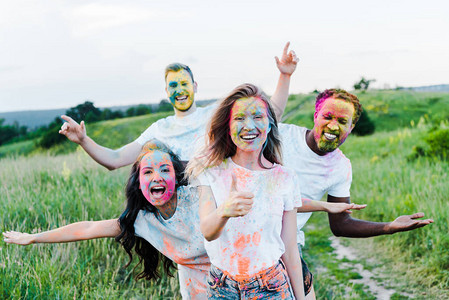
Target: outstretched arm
pixel 286 65
pixel 108 158
pixel 329 207
pixel 70 233
pixel 343 225
pixel 291 255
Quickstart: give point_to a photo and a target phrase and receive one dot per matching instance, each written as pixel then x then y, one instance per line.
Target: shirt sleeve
pixel 202 179
pixel 292 198
pixel 147 135
pixel 139 224
pixel 342 187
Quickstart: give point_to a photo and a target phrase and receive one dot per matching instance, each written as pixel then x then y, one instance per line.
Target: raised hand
pixel 336 208
pixel 408 222
pixel 287 63
pixel 19 238
pixel 72 130
pixel 239 203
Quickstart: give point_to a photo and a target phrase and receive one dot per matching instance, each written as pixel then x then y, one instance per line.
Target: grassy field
pixel 43 190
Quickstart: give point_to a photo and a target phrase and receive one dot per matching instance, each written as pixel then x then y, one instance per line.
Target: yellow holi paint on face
pixel 249 124
pixel 333 123
pixel 180 89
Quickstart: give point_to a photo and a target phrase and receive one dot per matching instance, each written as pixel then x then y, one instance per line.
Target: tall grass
pixel 42 192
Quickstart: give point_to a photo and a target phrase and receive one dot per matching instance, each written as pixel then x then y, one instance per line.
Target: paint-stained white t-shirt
pixel 318 175
pixel 180 239
pixel 183 135
pixel 251 243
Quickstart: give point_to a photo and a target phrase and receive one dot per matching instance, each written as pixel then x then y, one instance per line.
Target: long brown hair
pixel 149 257
pixel 219 144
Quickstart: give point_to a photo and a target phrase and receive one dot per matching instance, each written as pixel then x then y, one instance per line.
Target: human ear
pixel 195 86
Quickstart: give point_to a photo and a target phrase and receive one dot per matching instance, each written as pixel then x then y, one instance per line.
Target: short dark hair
pixel 176 67
pixel 342 95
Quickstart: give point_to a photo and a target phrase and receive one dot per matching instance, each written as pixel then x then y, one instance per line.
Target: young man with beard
pixel 323 168
pixel 181 132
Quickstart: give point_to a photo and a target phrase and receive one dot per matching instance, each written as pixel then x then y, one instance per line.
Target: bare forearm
pixel 212 225
pixel 294 271
pixel 312 205
pixel 280 96
pixel 343 225
pixel 109 158
pixel 79 231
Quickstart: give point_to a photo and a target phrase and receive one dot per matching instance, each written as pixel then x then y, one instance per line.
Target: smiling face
pixel 157 178
pixel 333 123
pixel 180 89
pixel 248 124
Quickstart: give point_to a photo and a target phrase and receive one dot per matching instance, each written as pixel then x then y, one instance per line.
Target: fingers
pixel 83 128
pixel 278 62
pixel 286 48
pixel 358 206
pixel 245 195
pixel 417 215
pixel 68 119
pixel 294 57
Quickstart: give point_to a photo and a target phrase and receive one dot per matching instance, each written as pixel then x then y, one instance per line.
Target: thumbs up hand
pixel 239 203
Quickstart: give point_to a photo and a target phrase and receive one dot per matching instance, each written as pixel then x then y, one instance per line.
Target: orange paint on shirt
pixel 243 265
pixel 242 241
pixel 256 238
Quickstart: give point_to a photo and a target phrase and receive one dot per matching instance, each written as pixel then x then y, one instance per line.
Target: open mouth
pixel 330 136
pixel 181 98
pixel 157 191
pixel 249 137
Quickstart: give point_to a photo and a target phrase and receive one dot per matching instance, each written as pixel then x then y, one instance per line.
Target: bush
pixel 365 126
pixel 437 145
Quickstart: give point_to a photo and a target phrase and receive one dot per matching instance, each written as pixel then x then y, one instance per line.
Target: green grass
pixel 44 191
pixel 388 109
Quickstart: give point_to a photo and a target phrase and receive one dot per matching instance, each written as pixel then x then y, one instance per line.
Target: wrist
pixel 388 228
pixel 286 75
pixel 221 212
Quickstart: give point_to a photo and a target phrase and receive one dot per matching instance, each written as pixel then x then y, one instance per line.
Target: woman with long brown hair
pixel 247 202
pixel 160 222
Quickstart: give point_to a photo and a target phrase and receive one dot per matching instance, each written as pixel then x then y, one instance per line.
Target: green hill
pixel 43 190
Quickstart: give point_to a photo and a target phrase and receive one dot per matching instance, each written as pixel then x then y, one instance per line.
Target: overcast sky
pixel 56 54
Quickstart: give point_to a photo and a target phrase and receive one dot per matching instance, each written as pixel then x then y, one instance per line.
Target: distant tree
pixel 365 126
pixel 51 136
pixel 108 114
pixel 7 132
pixel 164 105
pixel 142 109
pixel 363 84
pixel 86 111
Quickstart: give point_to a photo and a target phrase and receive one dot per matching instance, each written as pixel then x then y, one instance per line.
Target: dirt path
pixel 368 277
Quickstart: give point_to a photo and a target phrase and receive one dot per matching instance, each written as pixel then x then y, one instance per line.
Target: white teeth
pixel 181 98
pixel 249 137
pixel 330 136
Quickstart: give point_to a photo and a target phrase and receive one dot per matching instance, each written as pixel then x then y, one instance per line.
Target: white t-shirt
pixel 253 242
pixel 183 135
pixel 330 173
pixel 180 239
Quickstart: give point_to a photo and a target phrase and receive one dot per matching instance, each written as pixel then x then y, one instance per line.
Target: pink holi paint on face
pixel 157 178
pixel 333 123
pixel 248 124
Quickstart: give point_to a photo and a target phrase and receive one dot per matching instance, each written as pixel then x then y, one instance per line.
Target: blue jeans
pixel 271 283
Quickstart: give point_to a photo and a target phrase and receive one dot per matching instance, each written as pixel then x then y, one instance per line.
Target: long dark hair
pixel 219 144
pixel 148 255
